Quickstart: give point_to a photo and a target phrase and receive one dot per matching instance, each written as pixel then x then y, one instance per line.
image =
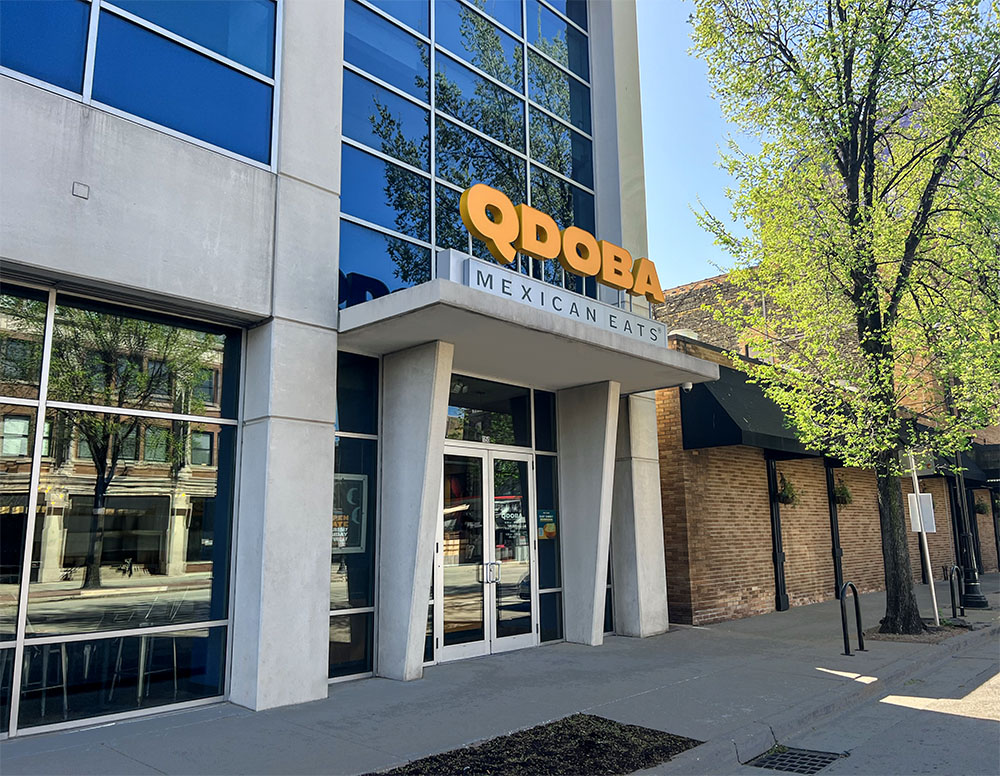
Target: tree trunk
pixel 901 612
pixel 92 573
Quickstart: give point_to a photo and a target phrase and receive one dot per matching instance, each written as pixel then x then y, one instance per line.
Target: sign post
pixel 923 538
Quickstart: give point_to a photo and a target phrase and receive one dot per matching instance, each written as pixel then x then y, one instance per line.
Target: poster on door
pixel 350 512
pixel 546 524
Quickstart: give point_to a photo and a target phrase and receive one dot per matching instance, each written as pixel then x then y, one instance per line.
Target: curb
pixel 724 755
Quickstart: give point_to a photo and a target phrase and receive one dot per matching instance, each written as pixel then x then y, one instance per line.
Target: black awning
pixel 731 411
pixel 973 472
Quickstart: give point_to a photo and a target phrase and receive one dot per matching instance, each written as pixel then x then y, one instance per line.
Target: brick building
pixel 732 548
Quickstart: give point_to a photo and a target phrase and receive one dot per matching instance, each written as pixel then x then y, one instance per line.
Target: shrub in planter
pixel 786 491
pixel 842 493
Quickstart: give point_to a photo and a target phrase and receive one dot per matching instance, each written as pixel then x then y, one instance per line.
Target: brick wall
pixel 987 531
pixel 805 533
pixel 860 532
pixel 675 538
pixel 940 544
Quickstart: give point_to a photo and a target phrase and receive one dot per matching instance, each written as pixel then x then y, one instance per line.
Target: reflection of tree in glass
pixel 21 324
pixel 116 361
pixel 466 159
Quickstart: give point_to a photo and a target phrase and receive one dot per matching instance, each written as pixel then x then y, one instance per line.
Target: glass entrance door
pixel 486 596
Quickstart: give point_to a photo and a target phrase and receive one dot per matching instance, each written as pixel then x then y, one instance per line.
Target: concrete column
pixel 281 627
pixel 50 560
pixel 587 418
pixel 415 385
pixel 177 534
pixel 281 612
pixel 638 570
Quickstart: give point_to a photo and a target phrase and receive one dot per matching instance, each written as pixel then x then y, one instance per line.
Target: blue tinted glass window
pixel 569 205
pixel 381 48
pixel 148 75
pixel 46 39
pixel 242 30
pixel 479 102
pixel 385 121
pixel 357 394
pixel 558 92
pixel 474 38
pixel 573 9
pixel 352 572
pixel 557 39
pixel 373 264
pixel 557 146
pixel 451 231
pixel 386 194
pixel 507 12
pixel 464 159
pixel 414 13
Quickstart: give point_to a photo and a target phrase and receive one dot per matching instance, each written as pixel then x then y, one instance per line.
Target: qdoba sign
pixel 508 230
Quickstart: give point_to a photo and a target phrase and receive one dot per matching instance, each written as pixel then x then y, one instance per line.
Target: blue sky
pixel 682 132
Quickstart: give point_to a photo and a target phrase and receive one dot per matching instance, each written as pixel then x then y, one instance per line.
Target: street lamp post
pixel 972 594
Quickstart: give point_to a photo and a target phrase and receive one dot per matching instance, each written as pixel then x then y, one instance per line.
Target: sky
pixel 683 130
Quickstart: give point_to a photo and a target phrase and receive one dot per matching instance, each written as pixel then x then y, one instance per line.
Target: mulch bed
pixel 579 745
pixel 932 635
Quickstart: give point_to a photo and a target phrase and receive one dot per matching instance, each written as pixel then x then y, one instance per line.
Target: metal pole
pixel 972 594
pixel 923 541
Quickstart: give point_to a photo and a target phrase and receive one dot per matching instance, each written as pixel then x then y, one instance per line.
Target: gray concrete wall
pixel 165 220
pixel 415 385
pixel 587 419
pixel 637 559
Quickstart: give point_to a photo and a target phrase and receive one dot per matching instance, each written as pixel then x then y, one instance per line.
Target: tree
pixel 116 361
pixel 872 208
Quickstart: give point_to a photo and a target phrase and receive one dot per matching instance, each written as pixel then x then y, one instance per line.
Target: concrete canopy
pixel 500 337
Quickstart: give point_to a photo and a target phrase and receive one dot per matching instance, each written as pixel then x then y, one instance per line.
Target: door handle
pixel 497 577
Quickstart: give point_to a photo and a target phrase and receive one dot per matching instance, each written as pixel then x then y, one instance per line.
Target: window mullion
pixel 88 67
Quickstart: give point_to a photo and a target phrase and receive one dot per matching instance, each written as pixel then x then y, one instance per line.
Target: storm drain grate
pixel 794 760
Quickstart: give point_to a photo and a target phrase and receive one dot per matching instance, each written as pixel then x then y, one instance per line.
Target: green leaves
pixel 869 289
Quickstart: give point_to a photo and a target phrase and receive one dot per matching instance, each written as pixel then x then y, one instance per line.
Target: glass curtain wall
pixel 117 464
pixel 441 95
pixel 352 567
pixel 203 69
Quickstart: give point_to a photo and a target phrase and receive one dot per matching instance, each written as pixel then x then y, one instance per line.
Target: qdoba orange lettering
pixel 645 281
pixel 491 217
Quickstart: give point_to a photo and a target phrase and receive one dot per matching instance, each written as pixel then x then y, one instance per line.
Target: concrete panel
pixel 282 602
pixel 311 89
pixel 638 567
pixel 415 385
pixel 306 238
pixel 165 219
pixel 587 423
pixel 291 372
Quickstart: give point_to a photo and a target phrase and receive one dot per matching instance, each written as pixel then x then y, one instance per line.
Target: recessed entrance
pixel 486 592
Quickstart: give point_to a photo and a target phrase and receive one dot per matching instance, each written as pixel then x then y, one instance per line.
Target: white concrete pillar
pixel 281 614
pixel 179 523
pixel 638 570
pixel 587 424
pixel 415 386
pixel 50 560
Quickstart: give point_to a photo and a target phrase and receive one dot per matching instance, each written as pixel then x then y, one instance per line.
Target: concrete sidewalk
pixel 735 685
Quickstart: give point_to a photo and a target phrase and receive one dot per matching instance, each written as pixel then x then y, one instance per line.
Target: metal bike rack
pixel 857 615
pixel 949 574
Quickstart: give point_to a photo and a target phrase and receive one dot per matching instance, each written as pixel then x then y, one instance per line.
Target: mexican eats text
pixel 508 230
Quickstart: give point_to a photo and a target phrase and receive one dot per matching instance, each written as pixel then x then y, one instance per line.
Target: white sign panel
pixel 496 280
pixel 926 510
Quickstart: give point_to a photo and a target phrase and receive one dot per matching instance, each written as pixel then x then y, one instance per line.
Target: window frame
pixel 85 97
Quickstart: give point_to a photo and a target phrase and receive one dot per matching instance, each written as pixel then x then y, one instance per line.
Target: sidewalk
pixel 735 685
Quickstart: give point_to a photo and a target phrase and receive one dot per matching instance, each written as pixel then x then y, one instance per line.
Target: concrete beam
pixel 587 423
pixel 415 385
pixel 637 561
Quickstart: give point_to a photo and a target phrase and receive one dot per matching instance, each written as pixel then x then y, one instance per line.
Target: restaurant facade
pixel 325 346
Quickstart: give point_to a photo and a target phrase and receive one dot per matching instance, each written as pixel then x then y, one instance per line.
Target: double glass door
pixel 486 591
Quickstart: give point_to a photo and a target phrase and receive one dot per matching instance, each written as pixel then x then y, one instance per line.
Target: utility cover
pixel 795 760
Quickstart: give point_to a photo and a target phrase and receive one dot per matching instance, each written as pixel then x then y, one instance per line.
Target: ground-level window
pixel 115 618
pixel 355 492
